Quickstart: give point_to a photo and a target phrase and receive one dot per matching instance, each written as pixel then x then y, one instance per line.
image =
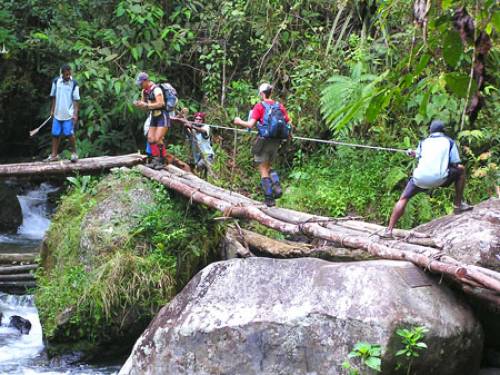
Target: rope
pixel 315 140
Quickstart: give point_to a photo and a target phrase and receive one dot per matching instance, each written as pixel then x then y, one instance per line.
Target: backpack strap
pixel 267 111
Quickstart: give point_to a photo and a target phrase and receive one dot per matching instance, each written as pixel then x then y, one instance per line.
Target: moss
pixel 114 294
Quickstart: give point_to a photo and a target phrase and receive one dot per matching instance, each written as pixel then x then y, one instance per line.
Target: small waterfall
pixel 35 215
pixel 25 354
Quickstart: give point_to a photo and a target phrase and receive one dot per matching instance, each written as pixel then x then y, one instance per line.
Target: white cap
pixel 265 87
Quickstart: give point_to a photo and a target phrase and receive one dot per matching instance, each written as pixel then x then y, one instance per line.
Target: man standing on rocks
pixel 65 96
pixel 438 166
pixel 273 124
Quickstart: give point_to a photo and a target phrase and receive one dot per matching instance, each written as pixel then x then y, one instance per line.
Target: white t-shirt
pixel 434 154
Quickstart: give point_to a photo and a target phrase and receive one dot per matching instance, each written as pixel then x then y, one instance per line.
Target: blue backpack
pixel 170 96
pixel 273 124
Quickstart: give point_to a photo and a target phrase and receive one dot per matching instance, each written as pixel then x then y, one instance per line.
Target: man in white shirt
pixel 65 97
pixel 438 166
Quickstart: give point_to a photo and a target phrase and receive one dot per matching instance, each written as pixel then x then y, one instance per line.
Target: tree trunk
pixel 66 168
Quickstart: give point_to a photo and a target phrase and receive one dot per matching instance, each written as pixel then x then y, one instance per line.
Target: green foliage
pixel 412 340
pixel 367 355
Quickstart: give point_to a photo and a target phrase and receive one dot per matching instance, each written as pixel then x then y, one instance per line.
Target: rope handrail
pixel 325 141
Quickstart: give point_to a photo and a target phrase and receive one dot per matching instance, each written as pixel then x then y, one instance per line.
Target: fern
pixel 345 100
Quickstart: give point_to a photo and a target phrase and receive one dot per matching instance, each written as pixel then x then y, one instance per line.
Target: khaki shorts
pixel 265 149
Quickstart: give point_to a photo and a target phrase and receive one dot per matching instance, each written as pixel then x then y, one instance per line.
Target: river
pixel 25 354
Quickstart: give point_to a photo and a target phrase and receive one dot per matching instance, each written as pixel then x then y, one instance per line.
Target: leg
pixel 397 212
pixel 55 146
pixel 264 169
pixel 56 138
pixel 459 185
pixel 399 208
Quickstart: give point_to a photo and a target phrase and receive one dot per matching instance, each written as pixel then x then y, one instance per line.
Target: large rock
pixel 303 316
pixel 107 226
pixel 11 215
pixel 472 237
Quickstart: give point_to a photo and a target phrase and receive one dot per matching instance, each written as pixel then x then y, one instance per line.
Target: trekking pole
pixel 35 131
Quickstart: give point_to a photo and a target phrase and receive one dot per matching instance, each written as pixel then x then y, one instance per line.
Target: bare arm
pixel 52 105
pixel 76 108
pixel 159 103
pixel 246 124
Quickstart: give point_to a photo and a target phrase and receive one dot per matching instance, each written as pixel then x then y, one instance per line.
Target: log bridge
pixel 352 236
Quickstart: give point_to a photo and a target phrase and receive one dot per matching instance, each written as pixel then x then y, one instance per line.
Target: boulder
pixel 11 215
pixel 472 237
pixel 107 226
pixel 21 324
pixel 303 316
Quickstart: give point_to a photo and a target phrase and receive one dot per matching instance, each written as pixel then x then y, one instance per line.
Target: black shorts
pixel 411 189
pixel 160 121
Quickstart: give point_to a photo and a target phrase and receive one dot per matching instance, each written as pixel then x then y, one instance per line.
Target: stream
pixel 25 354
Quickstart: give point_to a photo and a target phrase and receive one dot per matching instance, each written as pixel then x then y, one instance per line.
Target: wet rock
pixel 21 324
pixel 472 237
pixel 11 215
pixel 303 316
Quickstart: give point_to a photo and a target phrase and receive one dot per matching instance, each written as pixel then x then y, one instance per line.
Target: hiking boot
pixel 269 202
pixel 462 208
pixel 158 163
pixel 52 158
pixel 277 191
pixel 267 188
pixel 74 157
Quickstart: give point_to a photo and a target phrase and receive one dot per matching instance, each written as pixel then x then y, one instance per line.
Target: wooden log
pixel 66 167
pixel 9 270
pixel 313 229
pixel 4 285
pixel 289 249
pixel 17 277
pixel 18 258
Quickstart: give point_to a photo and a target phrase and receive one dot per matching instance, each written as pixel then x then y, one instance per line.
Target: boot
pixel 158 163
pixel 277 191
pixel 267 187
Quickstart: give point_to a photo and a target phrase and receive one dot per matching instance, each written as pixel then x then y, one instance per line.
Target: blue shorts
pixel 161 121
pixel 60 127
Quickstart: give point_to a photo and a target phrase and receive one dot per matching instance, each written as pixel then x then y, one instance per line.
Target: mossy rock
pixel 107 226
pixel 117 250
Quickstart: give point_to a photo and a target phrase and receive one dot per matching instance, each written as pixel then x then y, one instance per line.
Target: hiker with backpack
pixel 160 101
pixel 273 125
pixel 64 106
pixel 438 166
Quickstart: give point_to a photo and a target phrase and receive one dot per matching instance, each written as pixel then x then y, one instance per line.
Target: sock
pixel 274 177
pixel 276 184
pixel 267 187
pixel 155 151
pixel 163 150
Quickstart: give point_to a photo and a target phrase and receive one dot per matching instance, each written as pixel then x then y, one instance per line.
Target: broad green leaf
pixel 111 57
pixel 495 20
pixel 400 352
pixel 424 60
pixel 457 84
pixel 40 35
pixel 452 48
pixel 374 363
pixel 421 345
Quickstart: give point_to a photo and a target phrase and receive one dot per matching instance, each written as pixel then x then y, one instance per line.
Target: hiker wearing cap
pixel 266 114
pixel 201 147
pixel 64 105
pixel 152 100
pixel 438 166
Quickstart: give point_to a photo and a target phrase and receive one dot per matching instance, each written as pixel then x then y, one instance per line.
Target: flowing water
pixel 25 354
